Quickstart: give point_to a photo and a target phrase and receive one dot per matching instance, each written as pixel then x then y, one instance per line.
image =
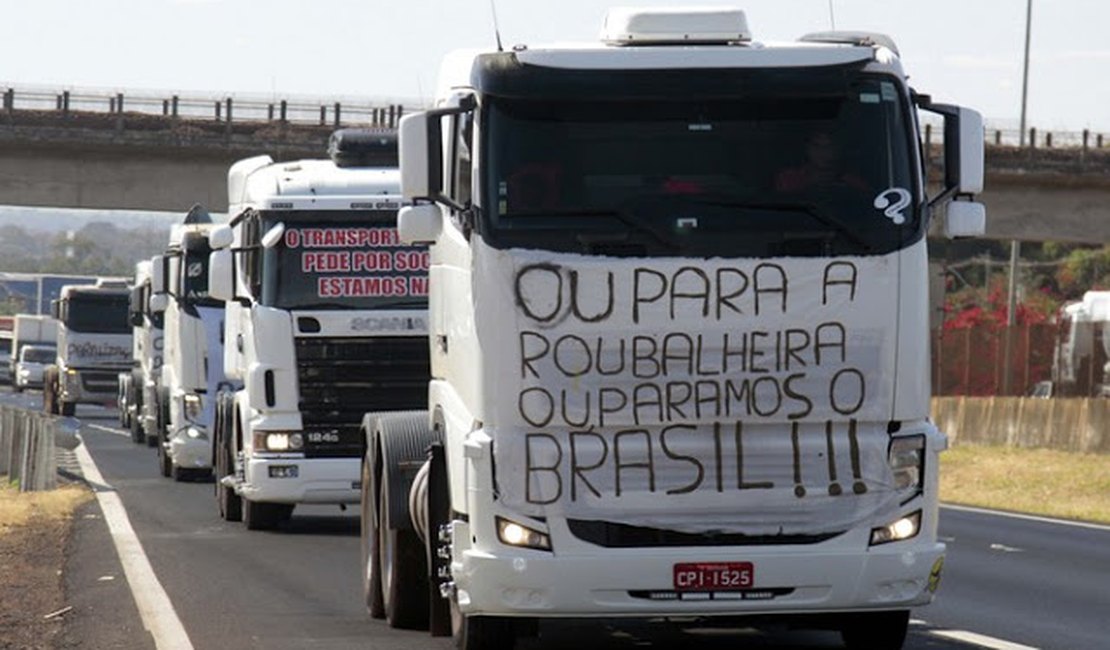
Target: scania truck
pixel 192 349
pixel 94 346
pixel 678 309
pixel 136 403
pixel 325 319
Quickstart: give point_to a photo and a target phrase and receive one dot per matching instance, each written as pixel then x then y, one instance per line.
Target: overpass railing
pixel 229 108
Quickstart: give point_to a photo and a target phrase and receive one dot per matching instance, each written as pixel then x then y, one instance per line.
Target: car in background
pixel 33 359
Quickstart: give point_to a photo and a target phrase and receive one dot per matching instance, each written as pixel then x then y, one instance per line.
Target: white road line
pixel 1015 515
pixel 115 432
pixel 980 640
pixel 155 608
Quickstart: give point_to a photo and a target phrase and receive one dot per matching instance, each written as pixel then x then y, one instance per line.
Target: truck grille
pixel 343 378
pixel 100 382
pixel 615 535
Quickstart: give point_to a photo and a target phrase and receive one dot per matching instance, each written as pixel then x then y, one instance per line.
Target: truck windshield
pixel 342 260
pixel 97 313
pixel 780 170
pixel 38 355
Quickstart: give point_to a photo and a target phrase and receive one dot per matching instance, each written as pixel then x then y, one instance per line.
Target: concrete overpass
pixel 86 159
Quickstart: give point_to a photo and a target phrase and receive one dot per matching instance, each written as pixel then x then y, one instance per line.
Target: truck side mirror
pixel 963 149
pixel 421 156
pixel 419 224
pixel 965 219
pixel 221 275
pixel 158 275
pixel 56 309
pixel 159 302
pixel 221 237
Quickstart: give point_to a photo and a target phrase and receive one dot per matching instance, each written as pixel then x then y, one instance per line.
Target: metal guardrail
pixel 224 109
pixel 28 440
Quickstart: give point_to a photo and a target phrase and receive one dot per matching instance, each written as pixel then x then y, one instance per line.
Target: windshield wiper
pixel 589 239
pixel 808 209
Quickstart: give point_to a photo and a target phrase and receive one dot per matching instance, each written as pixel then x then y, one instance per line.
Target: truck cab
pixel 325 319
pixel 678 327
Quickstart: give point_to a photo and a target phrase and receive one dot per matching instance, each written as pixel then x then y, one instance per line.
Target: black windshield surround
pixel 291 281
pixel 697 162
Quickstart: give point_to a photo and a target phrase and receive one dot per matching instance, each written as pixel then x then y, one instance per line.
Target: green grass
pixel 1033 481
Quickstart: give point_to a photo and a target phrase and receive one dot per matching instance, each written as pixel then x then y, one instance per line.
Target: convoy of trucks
pixel 678 325
pixel 324 319
pixel 93 347
pixel 629 330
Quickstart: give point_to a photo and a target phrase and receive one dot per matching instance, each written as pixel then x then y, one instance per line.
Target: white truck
pixel 31 367
pixel 137 400
pixel 679 337
pixel 30 329
pixel 1081 359
pixel 325 319
pixel 192 349
pixel 94 345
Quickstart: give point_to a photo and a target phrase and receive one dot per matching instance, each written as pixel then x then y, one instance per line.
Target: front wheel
pixel 165 463
pixel 67 408
pixel 265 516
pixel 371 562
pixel 877 631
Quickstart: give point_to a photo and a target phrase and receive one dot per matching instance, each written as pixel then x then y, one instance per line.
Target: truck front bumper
pixel 190 448
pixel 295 479
pixel 639 582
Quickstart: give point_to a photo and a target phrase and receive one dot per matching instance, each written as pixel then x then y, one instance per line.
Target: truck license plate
pixel 713 576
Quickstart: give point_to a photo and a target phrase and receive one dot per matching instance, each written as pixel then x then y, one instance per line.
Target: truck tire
pixel 481 632
pixel 49 390
pixel 165 463
pixel 404 574
pixel 67 408
pixel 136 429
pixel 265 516
pixel 228 503
pixel 876 631
pixel 368 543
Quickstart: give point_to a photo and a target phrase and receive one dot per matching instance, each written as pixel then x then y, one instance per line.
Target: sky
pixel 962 51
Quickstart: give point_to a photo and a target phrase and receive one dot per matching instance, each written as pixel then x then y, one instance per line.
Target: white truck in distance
pixel 192 349
pixel 678 312
pixel 30 329
pixel 325 319
pixel 138 401
pixel 94 345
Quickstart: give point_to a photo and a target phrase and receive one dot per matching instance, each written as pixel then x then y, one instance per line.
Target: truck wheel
pixel 404 574
pixel 165 463
pixel 228 502
pixel 265 516
pixel 481 632
pixel 137 435
pixel 878 631
pixel 68 408
pixel 368 542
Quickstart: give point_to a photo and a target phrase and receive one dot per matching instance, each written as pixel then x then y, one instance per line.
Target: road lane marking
pixel 155 608
pixel 101 427
pixel 1016 515
pixel 980 640
pixel 1006 549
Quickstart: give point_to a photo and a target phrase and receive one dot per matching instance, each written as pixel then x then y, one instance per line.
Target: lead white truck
pixel 192 349
pixel 679 342
pixel 326 318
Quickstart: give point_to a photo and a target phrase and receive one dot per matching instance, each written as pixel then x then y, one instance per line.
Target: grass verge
pixel 1032 481
pixel 20 508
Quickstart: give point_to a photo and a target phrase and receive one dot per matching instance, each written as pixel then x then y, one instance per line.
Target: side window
pixel 463 162
pixel 252 261
pixel 173 275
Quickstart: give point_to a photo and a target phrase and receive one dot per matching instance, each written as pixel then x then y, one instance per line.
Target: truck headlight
pixel 278 441
pixel 193 406
pixel 900 529
pixel 514 534
pixel 907 461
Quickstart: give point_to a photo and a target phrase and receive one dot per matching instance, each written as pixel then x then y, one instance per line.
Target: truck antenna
pixel 496 27
pixel 832 16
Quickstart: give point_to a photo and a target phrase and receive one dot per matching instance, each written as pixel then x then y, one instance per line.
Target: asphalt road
pixel 1029 583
